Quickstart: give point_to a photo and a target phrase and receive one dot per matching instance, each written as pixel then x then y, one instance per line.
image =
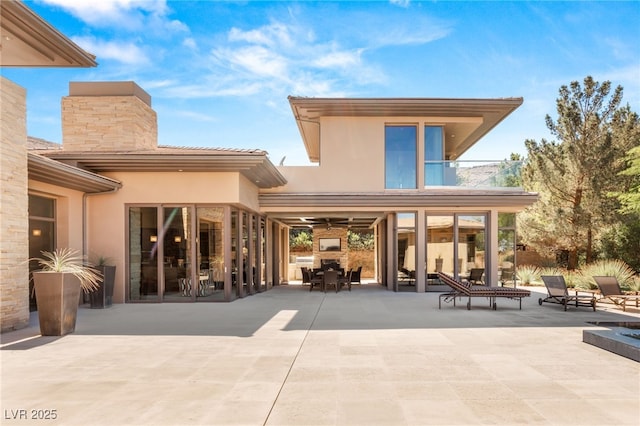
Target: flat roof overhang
pixel 465 120
pixel 29 41
pixel 363 210
pixel 252 164
pixel 49 171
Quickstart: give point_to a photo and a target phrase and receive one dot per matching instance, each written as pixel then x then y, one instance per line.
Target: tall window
pixel 42 235
pixel 433 156
pixel 400 157
pixel 506 247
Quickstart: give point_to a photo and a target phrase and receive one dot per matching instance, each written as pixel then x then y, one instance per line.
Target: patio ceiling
pixel 26 40
pixel 465 121
pixel 323 220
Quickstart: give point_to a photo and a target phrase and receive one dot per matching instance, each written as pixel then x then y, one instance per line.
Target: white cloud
pixel 256 60
pixel 125 52
pixel 401 3
pixel 340 59
pixel 196 116
pixel 124 14
pixel 209 90
pixel 190 43
pixel 276 34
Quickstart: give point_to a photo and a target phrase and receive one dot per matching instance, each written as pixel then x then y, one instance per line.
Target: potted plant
pixel 57 286
pixel 102 297
pixel 439 262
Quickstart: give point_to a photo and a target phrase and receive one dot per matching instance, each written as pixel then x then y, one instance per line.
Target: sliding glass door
pixel 180 254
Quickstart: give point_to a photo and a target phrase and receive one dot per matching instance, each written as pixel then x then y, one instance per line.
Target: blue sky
pixel 219 73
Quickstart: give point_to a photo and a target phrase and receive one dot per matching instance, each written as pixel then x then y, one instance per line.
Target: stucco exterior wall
pixel 68 213
pixel 14 224
pixel 351 157
pixel 107 213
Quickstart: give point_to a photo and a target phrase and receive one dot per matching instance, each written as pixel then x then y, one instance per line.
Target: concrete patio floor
pixel 293 357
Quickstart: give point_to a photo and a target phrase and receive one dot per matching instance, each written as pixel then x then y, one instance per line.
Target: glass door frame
pixel 456 235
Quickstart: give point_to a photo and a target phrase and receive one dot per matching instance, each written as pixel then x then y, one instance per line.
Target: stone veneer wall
pixel 342 255
pixel 101 121
pixel 14 203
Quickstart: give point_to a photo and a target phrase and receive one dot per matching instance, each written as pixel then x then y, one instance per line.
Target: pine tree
pixel 575 173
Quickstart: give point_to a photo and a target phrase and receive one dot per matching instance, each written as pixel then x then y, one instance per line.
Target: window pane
pixel 143 253
pixel 211 251
pixel 41 207
pixel 400 157
pixel 506 220
pixel 439 247
pixel 178 258
pixel 406 250
pixel 471 234
pixel 433 156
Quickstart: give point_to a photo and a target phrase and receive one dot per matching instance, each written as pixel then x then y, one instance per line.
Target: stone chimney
pixel 108 116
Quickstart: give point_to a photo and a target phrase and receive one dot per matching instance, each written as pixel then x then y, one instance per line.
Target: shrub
pixel 528 274
pixel 300 240
pixel 360 240
pixel 572 278
pixel 612 268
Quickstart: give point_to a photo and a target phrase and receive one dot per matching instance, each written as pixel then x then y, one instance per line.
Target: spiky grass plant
pixel 612 268
pixel 69 261
pixel 528 274
pixel 572 278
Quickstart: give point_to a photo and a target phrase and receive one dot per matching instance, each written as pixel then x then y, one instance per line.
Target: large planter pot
pixel 103 296
pixel 57 295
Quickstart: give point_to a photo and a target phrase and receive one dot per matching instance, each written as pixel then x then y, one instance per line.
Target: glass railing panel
pixel 473 174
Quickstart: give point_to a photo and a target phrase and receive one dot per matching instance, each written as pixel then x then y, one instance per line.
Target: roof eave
pixel 308 111
pixel 254 166
pixel 49 171
pixel 29 41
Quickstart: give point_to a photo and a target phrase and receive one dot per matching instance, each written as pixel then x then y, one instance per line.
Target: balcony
pixel 473 174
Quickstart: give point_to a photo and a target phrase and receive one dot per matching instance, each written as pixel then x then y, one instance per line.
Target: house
pixel 212 224
pixel 26 41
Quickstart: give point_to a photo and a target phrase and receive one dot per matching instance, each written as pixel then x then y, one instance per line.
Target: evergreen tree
pixel 574 174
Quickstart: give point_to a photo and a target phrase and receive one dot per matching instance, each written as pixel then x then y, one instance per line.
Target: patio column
pixel 491 273
pixel 421 255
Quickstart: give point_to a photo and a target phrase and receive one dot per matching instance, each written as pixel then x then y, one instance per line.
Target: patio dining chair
pixel 330 277
pixel 316 279
pixel 345 280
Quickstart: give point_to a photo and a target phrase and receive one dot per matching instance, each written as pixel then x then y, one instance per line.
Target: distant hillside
pixel 478 175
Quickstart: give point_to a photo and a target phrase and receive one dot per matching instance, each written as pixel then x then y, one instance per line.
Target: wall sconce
pixel 177 239
pixel 36 232
pixel 153 238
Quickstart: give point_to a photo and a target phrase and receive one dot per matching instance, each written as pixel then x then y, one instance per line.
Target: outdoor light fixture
pixel 153 238
pixel 177 239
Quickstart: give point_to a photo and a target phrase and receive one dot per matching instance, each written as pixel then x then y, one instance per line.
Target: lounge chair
pixel 558 293
pixel 492 293
pixel 610 289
